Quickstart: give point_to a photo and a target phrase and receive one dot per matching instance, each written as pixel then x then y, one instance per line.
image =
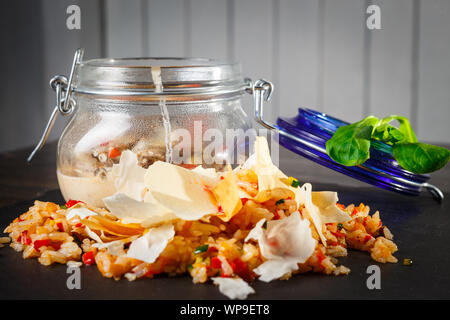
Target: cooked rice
pixel 43 232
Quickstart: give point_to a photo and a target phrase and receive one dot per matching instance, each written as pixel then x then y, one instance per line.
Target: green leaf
pixel 388 134
pixel 404 127
pixel 350 144
pixel 420 157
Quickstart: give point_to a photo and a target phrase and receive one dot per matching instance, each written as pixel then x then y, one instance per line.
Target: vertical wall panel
pixel 21 57
pixel 299 58
pixel 343 58
pixel 209 28
pixel 124 28
pixel 391 60
pixel 166 27
pixel 253 43
pixel 434 71
pixel 59 45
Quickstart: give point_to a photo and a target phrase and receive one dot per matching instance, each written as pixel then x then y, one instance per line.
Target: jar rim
pixel 178 75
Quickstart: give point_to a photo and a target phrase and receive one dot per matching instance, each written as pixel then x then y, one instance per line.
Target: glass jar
pixel 161 109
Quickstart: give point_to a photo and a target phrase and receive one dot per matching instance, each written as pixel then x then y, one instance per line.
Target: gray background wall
pixel 318 53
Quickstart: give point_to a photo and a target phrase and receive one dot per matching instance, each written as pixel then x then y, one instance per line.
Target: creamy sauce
pixel 87 189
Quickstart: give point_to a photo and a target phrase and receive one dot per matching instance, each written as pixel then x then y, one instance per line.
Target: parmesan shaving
pixel 233 288
pixel 148 247
pixel 184 192
pixel 114 248
pixel 131 211
pixel 228 196
pixel 270 182
pixel 129 176
pixel 80 212
pixel 326 201
pixel 285 243
pixel 93 235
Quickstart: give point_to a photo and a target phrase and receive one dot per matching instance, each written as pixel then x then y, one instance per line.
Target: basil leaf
pixel 350 144
pixel 420 157
pixel 388 134
pixel 404 127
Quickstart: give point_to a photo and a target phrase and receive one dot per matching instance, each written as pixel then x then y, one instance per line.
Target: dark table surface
pixel 420 225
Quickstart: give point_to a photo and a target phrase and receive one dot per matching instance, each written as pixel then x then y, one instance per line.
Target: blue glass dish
pixel 307 133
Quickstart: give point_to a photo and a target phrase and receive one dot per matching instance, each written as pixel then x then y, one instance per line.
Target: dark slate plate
pixel 420 226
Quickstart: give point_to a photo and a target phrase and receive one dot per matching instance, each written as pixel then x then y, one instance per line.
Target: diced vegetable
pixel 114 152
pixel 41 243
pixel 201 249
pixel 291 181
pixel 60 226
pixel 89 258
pixel 25 238
pixel 281 201
pixel 407 262
pixel 216 263
pixel 71 203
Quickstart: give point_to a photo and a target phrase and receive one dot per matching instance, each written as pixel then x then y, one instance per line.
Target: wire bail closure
pixel 64 103
pixel 262 91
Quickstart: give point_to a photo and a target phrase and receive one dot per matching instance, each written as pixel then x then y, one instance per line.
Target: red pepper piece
pixel 320 257
pixel 367 238
pixel 114 152
pixel 89 258
pixel 60 226
pixel 25 238
pixel 71 203
pixel 216 263
pixel 212 249
pixel 41 243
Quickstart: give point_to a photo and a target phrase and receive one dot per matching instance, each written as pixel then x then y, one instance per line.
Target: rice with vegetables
pixel 249 223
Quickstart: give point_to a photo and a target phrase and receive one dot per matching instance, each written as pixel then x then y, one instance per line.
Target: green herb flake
pixel 340 226
pixel 201 249
pixel 63 206
pixel 281 201
pixel 295 183
pixel 218 273
pixel 189 266
pixel 407 262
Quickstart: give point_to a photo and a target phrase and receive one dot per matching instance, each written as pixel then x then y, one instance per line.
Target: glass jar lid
pixel 141 76
pixel 313 129
pixel 307 134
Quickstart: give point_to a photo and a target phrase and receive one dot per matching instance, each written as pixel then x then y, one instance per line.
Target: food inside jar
pixel 107 154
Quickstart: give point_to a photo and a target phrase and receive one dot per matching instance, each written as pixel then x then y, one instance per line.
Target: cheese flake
pixel 285 243
pixel 233 288
pixel 227 195
pixel 148 247
pixel 182 191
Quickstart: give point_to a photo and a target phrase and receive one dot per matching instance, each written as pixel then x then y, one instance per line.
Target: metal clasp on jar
pixel 64 103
